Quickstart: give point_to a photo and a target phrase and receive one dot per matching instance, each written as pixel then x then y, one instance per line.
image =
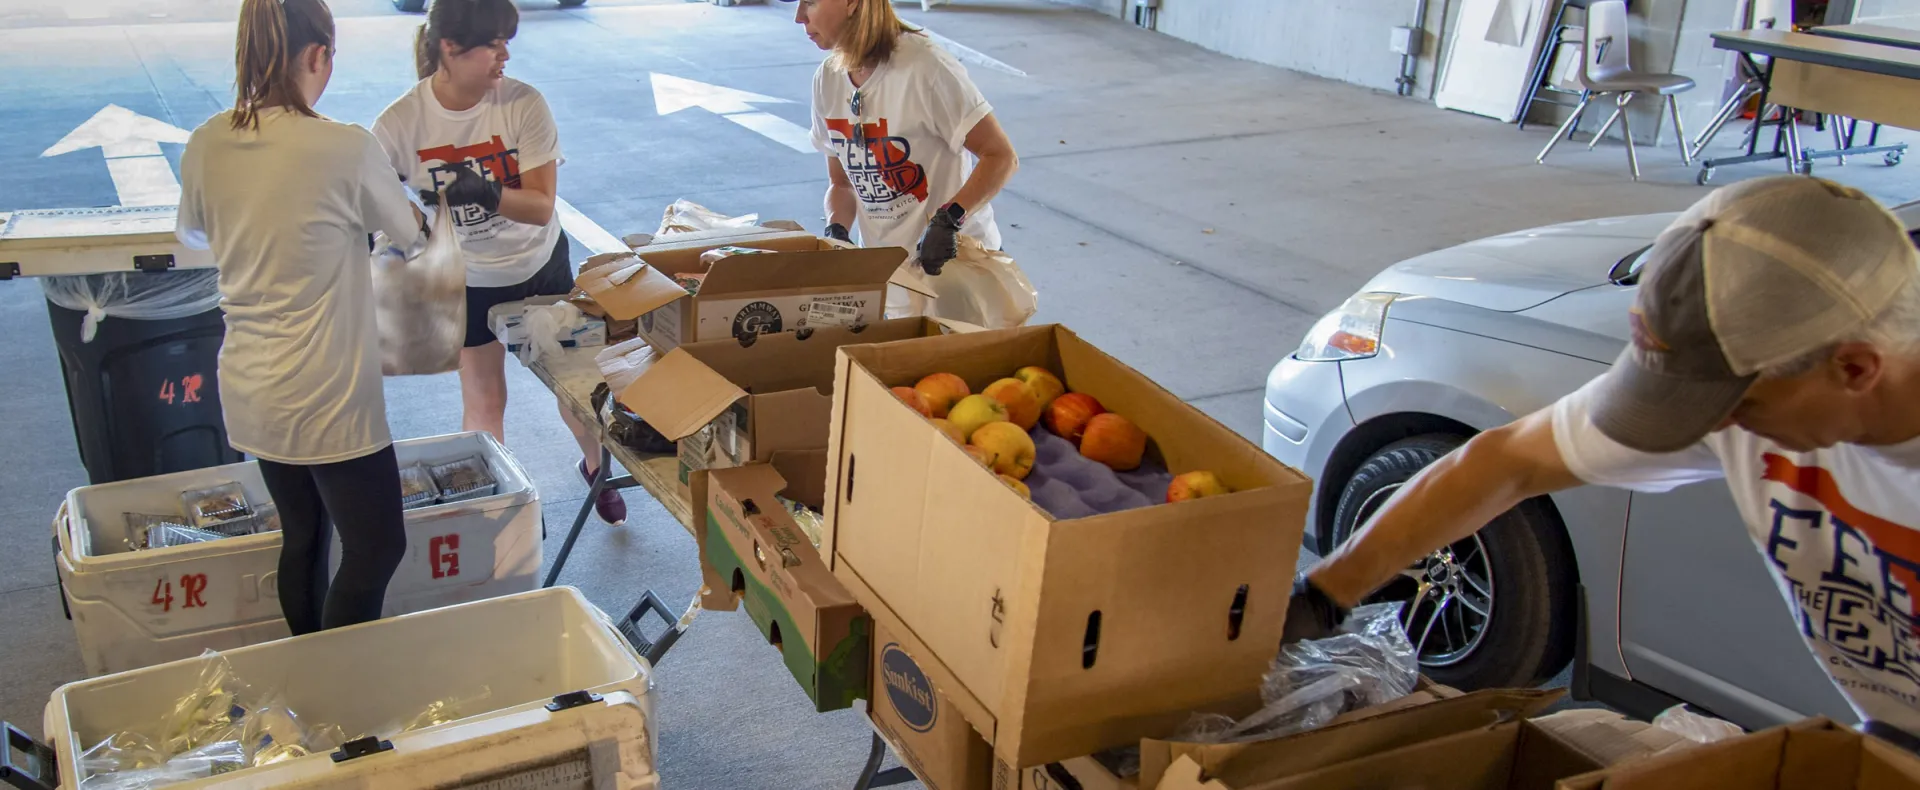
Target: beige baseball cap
pixel 1756 274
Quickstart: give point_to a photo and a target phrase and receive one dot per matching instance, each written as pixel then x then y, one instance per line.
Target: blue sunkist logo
pixel 908 689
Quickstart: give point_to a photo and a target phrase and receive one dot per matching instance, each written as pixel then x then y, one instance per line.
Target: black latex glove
pixel 1311 614
pixel 469 188
pixel 838 232
pixel 940 243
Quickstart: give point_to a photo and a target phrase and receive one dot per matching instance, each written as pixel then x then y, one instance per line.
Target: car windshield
pixel 1626 271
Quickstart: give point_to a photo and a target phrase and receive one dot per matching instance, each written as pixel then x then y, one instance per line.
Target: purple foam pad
pixel 1069 485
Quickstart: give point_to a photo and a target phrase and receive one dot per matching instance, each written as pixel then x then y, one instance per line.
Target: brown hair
pixel 273 34
pixel 467 23
pixel 870 35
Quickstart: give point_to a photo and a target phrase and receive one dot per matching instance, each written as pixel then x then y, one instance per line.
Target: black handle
pixel 651 649
pixel 40 771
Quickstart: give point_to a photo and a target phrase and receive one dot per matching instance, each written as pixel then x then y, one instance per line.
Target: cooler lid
pixel 65 241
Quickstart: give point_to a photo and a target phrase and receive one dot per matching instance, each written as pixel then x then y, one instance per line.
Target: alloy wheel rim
pixel 1447 596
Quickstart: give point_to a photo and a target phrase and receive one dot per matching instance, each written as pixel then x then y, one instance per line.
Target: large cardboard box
pixel 729 403
pixel 1815 754
pixel 772 568
pixel 1057 638
pixel 1425 715
pixel 801 281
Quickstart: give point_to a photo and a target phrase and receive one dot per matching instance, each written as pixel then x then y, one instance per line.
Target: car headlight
pixel 1350 332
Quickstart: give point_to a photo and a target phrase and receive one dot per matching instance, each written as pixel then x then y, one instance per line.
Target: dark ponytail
pixel 467 23
pixel 273 34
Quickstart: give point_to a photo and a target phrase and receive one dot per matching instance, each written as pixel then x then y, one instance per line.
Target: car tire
pixel 1528 635
pixel 410 6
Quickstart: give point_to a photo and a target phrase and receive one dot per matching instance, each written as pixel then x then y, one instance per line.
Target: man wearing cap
pixel 1776 343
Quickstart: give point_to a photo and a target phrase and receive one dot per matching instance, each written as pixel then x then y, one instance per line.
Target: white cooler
pixel 133 609
pixel 526 649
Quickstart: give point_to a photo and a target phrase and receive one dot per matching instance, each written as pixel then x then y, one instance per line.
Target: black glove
pixel 838 232
pixel 1311 613
pixel 469 188
pixel 941 241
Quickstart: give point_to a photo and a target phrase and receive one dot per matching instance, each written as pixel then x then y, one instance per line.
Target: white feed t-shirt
pixel 286 211
pixel 905 151
pixel 508 133
pixel 1835 526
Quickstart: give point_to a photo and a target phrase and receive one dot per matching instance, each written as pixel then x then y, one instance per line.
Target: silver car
pixel 1655 599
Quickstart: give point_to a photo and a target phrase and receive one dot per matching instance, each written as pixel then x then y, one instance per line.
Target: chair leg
pixel 1562 131
pixel 1626 128
pixel 1603 129
pixel 1680 134
pixel 1839 138
pixel 1795 164
pixel 1727 113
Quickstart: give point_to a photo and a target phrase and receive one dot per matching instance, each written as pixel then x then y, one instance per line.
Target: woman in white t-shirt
pixel 899 121
pixel 488 144
pixel 285 199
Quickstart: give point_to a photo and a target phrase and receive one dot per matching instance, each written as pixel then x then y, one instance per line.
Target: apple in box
pixel 1023 406
pixel 942 391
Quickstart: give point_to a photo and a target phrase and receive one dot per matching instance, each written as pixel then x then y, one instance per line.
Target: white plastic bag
pixel 140 296
pixel 984 288
pixel 421 302
pixel 686 216
pixel 545 325
pixel 1696 727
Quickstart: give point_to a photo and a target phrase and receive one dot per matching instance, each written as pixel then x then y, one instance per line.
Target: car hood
pixel 1515 271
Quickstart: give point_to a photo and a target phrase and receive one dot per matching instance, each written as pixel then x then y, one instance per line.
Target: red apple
pixel 1115 441
pixel 912 397
pixel 1023 406
pixel 1068 415
pixel 942 390
pixel 1194 485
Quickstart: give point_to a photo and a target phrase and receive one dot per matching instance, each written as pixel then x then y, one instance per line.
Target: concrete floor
pixel 1188 212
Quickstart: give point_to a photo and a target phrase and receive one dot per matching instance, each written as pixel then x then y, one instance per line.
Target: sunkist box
pixel 1057 638
pixel 729 402
pixel 753 542
pixel 1815 754
pixel 801 281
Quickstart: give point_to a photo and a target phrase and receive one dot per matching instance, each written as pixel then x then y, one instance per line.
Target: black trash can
pixel 144 395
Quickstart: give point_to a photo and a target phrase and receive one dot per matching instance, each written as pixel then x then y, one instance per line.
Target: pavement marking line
pixel 971 55
pixel 141 174
pixel 672 94
pixel 589 233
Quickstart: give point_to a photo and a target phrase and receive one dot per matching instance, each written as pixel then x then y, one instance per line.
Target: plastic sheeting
pixel 138 296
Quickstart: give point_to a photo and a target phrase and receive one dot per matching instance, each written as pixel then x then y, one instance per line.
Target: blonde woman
pixel 286 198
pixel 914 153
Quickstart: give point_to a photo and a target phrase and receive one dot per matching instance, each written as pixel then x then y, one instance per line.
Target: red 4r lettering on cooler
pixel 444 552
pixel 165 603
pixel 167 393
pixel 192 585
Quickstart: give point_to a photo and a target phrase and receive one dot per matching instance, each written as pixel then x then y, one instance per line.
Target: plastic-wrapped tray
pixel 209 506
pixel 467 478
pixel 140 524
pixel 417 489
pixel 266 518
pixel 166 535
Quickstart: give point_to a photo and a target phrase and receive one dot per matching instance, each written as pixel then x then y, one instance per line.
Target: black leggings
pixel 362 496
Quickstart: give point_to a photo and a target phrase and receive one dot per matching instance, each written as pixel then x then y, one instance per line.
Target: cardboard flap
pixel 778 271
pixel 678 394
pixel 912 279
pixel 631 290
pixel 805 475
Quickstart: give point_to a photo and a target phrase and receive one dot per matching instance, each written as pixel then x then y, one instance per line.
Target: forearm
pixel 990 175
pixel 526 206
pixel 843 206
pixel 1444 503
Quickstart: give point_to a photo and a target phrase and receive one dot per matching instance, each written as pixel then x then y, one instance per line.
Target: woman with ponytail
pixel 286 198
pixel 487 144
pixel 913 150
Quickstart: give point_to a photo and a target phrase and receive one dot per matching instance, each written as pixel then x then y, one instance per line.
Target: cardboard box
pixel 510 328
pixel 803 281
pixel 918 721
pixel 729 404
pixel 1420 717
pixel 776 573
pixel 1815 754
pixel 1058 638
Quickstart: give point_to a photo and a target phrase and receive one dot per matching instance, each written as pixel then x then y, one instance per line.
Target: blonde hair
pixel 870 36
pixel 272 35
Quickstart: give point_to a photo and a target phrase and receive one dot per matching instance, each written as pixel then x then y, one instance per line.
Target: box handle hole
pixel 1090 649
pixel 1237 613
pixel 739 581
pixel 850 468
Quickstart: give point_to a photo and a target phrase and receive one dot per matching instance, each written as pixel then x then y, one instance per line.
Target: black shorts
pixel 553 279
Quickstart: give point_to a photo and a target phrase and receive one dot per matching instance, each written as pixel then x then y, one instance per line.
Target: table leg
pixel 580 520
pixel 871 776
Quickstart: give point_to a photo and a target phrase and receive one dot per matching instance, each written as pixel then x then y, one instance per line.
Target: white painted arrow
pixel 672 94
pixel 131 143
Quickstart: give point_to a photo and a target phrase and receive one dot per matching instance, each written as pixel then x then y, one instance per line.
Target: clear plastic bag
pixel 140 296
pixel 215 505
pixel 686 216
pixel 1696 727
pixel 163 536
pixel 207 761
pixel 984 288
pixel 417 488
pixel 420 302
pixel 545 325
pixel 1312 682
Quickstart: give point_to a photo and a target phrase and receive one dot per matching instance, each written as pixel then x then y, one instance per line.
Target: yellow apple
pixel 952 431
pixel 1011 447
pixel 1046 386
pixel 1194 485
pixel 974 411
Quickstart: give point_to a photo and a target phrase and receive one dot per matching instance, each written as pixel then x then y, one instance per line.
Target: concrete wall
pixel 1345 40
